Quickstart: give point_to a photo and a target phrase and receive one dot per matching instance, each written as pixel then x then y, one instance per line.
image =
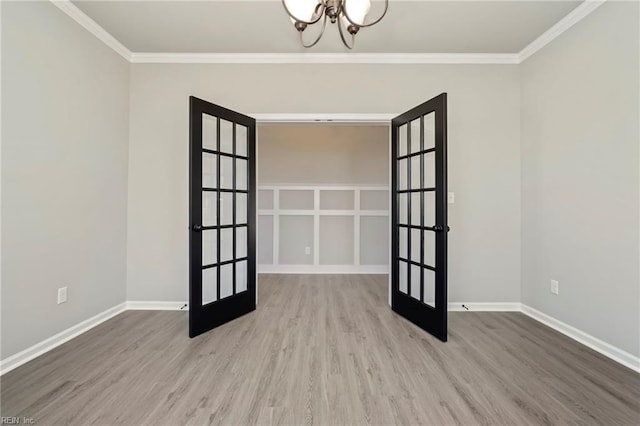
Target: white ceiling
pixel 263 27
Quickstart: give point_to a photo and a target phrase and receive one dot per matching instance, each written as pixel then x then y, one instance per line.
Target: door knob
pixel 197 228
pixel 440 228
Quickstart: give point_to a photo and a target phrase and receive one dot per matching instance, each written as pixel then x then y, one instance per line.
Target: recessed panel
pixel 265 199
pixel 374 240
pixel 241 140
pixel 209 134
pixel 226 136
pixel 265 240
pixel 226 172
pixel 209 170
pixel 226 208
pixel 429 296
pixel 374 200
pixel 209 285
pixel 403 278
pixel 209 208
pixel 296 199
pixel 209 247
pixel 226 281
pixel 226 244
pixel 296 240
pixel 336 240
pixel 336 199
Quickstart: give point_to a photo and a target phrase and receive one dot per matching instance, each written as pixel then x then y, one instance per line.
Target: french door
pixel 222 204
pixel 419 216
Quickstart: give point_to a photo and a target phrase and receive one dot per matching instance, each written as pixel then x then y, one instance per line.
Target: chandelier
pixel 350 15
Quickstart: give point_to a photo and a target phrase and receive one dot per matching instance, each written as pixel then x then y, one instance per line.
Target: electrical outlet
pixel 62 295
pixel 451 197
pixel 307 250
pixel 554 287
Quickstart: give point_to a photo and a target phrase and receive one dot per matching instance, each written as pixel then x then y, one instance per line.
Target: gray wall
pixel 580 182
pixel 64 173
pixel 484 156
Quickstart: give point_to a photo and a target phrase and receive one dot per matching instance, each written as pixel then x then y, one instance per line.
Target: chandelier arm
pixel 321 5
pixel 344 40
pixel 324 25
pixel 344 11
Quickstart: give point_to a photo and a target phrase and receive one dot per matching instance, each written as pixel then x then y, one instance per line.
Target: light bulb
pixel 302 10
pixel 357 10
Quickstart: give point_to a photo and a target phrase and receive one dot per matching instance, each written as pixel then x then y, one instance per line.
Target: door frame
pixel 367 118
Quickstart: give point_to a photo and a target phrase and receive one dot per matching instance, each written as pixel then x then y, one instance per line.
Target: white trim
pixel 323 269
pixel 606 349
pixel 484 307
pixel 93 27
pixel 572 18
pixel 52 342
pixel 324 58
pixel 370 119
pixel 138 305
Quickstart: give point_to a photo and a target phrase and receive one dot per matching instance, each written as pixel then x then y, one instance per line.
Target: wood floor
pixel 322 349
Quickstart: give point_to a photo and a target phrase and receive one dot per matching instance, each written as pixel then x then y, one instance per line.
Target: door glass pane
pixel 429 287
pixel 226 172
pixel 209 125
pixel 415 208
pixel 429 170
pixel 226 136
pixel 415 172
pixel 241 174
pixel 209 208
pixel 241 209
pixel 241 242
pixel 226 208
pixel 226 244
pixel 241 140
pixel 415 281
pixel 226 281
pixel 241 276
pixel 403 243
pixel 429 130
pixel 209 170
pixel 209 247
pixel 209 285
pixel 402 140
pixel 415 136
pixel 430 248
pixel 403 278
pixel 402 209
pixel 429 208
pixel 415 245
pixel 402 174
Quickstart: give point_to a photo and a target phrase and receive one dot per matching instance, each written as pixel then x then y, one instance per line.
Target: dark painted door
pixel 419 216
pixel 222 204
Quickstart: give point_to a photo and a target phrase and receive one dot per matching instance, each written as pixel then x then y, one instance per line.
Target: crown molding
pixel 545 38
pixel 93 27
pixel 325 58
pixel 572 18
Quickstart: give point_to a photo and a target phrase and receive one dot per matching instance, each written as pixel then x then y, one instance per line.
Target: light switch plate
pixel 62 295
pixel 555 287
pixel 451 197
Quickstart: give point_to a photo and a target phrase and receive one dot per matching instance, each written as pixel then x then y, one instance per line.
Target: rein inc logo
pixel 17 421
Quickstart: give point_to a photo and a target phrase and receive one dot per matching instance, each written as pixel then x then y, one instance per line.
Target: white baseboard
pixel 52 342
pixel 606 349
pixel 483 307
pixel 138 305
pixel 323 269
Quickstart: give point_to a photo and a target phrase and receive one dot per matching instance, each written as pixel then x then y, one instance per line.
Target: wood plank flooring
pixel 322 349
